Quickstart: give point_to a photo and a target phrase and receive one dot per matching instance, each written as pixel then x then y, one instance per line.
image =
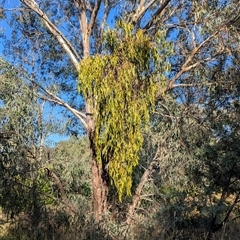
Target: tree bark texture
pixel 100 184
pixel 100 191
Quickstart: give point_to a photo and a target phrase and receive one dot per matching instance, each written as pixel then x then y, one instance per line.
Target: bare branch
pixel 104 20
pixel 141 10
pixel 185 66
pixel 83 21
pixel 235 19
pixel 191 85
pixel 53 98
pixel 81 116
pixel 61 189
pixel 157 14
pixel 137 196
pixel 73 210
pixel 66 45
pixel 93 16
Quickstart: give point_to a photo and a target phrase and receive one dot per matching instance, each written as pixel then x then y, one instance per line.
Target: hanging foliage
pixel 121 85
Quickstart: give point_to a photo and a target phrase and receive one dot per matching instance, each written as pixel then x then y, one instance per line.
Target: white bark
pixel 75 58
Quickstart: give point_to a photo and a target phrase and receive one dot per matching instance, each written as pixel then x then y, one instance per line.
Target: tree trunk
pixel 100 184
pixel 99 192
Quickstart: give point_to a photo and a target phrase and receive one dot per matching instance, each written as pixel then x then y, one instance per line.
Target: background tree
pixel 21 149
pixel 25 191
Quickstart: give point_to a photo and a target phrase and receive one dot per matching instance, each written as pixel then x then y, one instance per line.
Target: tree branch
pixel 73 210
pixel 93 16
pixel 104 20
pixel 66 45
pixel 83 21
pixel 191 85
pixel 53 98
pixel 141 10
pixel 61 189
pixel 157 14
pixel 81 116
pixel 185 66
pixel 137 196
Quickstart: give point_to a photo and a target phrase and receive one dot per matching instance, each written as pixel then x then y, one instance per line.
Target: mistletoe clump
pixel 121 85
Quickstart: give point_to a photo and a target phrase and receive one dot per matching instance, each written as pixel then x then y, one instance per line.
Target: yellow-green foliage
pixel 121 85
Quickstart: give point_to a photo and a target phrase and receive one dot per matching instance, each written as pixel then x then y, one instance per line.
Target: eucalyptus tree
pixel 18 120
pixel 20 148
pixel 120 51
pixel 216 174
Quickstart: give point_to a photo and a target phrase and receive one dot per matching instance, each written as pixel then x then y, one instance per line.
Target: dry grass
pixel 4 224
